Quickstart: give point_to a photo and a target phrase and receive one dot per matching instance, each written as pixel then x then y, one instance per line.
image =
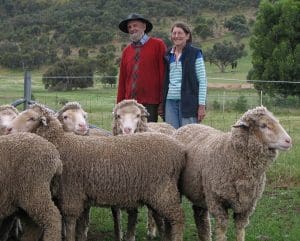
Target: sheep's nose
pixel 127 130
pixel 288 140
pixel 82 125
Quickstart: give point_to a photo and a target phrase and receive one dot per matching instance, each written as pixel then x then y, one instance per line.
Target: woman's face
pixel 179 37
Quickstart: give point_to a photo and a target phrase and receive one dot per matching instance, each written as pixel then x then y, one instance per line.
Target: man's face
pixel 136 30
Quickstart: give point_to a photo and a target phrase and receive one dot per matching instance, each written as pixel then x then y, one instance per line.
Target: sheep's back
pixel 27 165
pixel 194 133
pixel 206 148
pixel 121 165
pixel 28 156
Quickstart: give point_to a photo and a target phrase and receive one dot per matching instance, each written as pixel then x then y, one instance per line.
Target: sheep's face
pixel 6 117
pixel 26 121
pixel 266 128
pixel 74 120
pixel 127 119
pixel 270 131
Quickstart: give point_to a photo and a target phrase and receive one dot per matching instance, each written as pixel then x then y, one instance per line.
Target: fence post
pixel 223 104
pixel 27 89
pixel 261 98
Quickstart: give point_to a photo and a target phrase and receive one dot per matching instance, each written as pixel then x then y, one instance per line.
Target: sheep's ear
pixel 114 114
pixel 44 120
pixel 143 110
pixel 241 124
pixel 145 113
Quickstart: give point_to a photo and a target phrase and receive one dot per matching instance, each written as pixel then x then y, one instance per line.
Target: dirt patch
pixel 230 86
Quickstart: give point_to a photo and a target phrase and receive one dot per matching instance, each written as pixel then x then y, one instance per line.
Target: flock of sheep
pixel 54 168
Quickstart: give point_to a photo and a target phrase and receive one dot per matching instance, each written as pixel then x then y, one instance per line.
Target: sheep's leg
pixel 201 217
pixel 151 225
pixel 221 224
pixel 157 221
pixel 116 213
pixel 40 207
pixel 32 231
pixel 241 221
pixel 131 225
pixel 7 225
pixel 82 225
pixel 70 226
pixel 167 204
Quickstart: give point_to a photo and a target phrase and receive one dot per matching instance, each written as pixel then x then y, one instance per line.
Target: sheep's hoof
pixel 152 234
pixel 129 238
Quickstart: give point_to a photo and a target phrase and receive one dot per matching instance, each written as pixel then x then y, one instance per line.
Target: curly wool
pixel 226 170
pixel 21 154
pixel 9 107
pixel 68 106
pixel 122 171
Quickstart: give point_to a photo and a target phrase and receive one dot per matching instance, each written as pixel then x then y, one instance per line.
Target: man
pixel 142 66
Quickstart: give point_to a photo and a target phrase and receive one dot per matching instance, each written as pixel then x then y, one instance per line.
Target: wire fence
pixel 226 102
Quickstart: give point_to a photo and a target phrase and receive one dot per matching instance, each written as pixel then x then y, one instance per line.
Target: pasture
pixel 277 217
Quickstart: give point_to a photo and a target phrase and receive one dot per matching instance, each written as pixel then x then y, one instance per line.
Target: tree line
pixel 36 32
pixel 47 32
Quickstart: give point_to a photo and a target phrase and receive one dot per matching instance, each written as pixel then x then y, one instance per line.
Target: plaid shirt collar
pixel 142 41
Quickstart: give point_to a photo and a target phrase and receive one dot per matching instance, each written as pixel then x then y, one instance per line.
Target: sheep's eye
pixel 138 115
pixel 31 119
pixel 118 116
pixel 264 125
pixel 65 117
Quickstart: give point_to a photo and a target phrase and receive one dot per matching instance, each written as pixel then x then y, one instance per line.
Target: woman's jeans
pixel 173 114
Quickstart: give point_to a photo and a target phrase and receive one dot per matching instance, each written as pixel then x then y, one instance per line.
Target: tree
pixel 204 27
pixel 110 77
pixel 224 54
pixel 238 24
pixel 204 31
pixel 68 74
pixel 276 48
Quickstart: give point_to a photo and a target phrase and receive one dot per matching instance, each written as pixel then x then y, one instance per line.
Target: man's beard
pixel 135 37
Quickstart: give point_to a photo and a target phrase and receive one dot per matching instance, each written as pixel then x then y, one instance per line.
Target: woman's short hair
pixel 185 28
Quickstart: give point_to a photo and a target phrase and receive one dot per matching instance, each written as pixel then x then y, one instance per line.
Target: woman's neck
pixel 178 49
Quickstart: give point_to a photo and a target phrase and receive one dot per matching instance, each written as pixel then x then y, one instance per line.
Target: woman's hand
pixel 201 112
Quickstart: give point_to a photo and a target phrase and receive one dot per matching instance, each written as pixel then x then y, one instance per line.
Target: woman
pixel 185 84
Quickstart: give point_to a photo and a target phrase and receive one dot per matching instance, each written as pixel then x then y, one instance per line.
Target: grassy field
pixel 277 217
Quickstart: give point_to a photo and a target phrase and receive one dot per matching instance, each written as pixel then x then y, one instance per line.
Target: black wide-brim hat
pixel 135 16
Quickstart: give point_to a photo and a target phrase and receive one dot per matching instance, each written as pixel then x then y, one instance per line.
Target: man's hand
pixel 201 112
pixel 160 111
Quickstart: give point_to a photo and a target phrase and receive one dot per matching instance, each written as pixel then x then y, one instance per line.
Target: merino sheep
pixel 74 119
pixel 131 117
pixel 28 163
pixel 227 170
pixel 122 171
pixel 7 114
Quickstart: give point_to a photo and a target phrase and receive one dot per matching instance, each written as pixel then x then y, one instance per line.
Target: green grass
pixel 99 103
pixel 276 218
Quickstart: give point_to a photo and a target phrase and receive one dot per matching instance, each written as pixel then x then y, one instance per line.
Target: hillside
pixel 39 32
